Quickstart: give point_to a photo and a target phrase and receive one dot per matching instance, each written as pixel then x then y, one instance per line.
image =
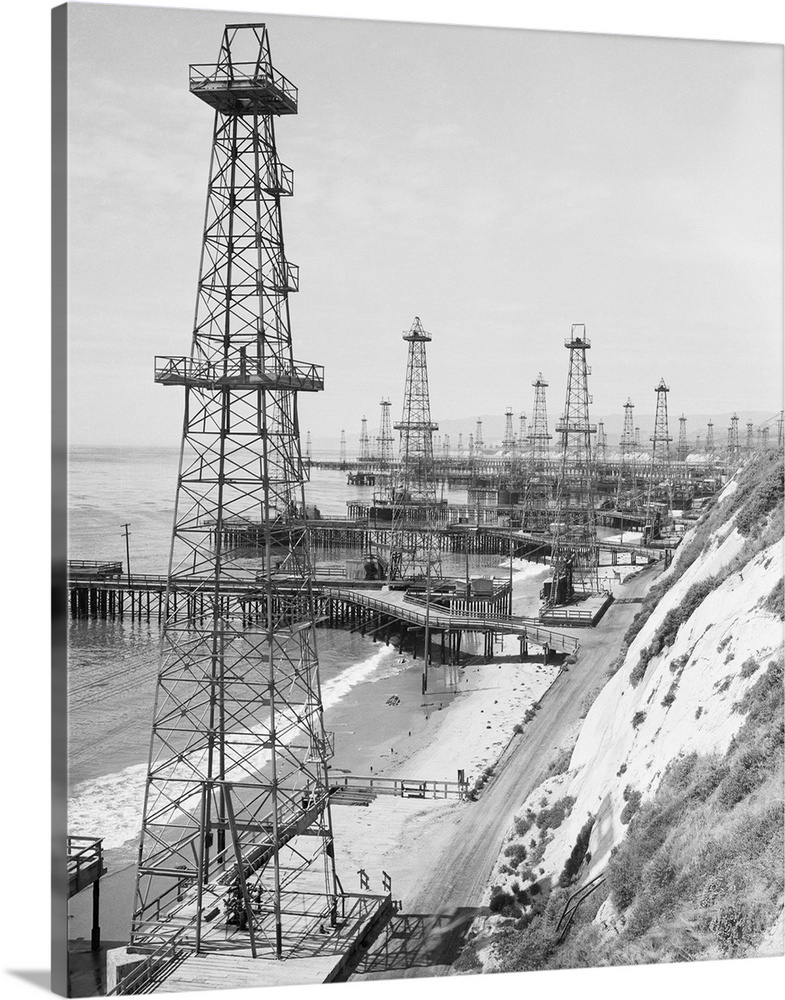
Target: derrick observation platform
pixel 245 88
pixel 243 373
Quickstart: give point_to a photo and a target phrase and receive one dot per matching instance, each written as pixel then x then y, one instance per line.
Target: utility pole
pixel 127 552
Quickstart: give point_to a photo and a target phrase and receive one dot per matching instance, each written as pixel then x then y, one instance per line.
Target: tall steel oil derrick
pixel 460 445
pixel 734 449
pixel 236 828
pixel 681 448
pixel 342 451
pixel 364 454
pixel 750 445
pixel 574 551
pixel 764 438
pixel 414 500
pixel 523 434
pixel 660 487
pixel 446 447
pixel 637 437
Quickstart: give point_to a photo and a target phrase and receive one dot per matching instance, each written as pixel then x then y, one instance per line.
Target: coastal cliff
pixel 672 798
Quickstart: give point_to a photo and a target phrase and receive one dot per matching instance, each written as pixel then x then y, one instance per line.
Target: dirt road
pixel 425 939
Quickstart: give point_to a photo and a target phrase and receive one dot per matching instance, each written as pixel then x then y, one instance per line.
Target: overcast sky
pixel 500 184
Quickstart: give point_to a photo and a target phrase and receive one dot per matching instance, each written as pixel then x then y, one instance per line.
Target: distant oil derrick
pixel 681 448
pixel 602 443
pixel 574 552
pixel 710 439
pixel 384 452
pixel 750 445
pixel 765 438
pixel 308 446
pixel 364 454
pixel 460 445
pixel 627 445
pixel 522 441
pixel 479 445
pixel 734 450
pixel 414 499
pixel 342 453
pixel 539 438
pixel 660 485
pixel 471 447
pixel 446 447
pixel 236 816
pixel 508 441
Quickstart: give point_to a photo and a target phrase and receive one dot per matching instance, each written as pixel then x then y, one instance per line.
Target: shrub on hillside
pixel 749 667
pixel 632 798
pixel 578 854
pixel 637 719
pixel 775 602
pixel 516 853
pixel 552 817
pixel 766 495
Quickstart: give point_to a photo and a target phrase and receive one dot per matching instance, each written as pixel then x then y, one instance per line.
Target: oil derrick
pixel 523 436
pixel 508 442
pixel 414 501
pixel 446 447
pixel 384 452
pixel 365 451
pixel 750 446
pixel 659 467
pixel 308 447
pixel 780 428
pixel 539 436
pixel 637 437
pixel 471 447
pixel 236 817
pixel 342 452
pixel 574 553
pixel 734 451
pixel 479 445
pixel 626 493
pixel 628 434
pixel 460 445
pixel 681 447
pixel 602 443
pixel 765 438
pixel 710 439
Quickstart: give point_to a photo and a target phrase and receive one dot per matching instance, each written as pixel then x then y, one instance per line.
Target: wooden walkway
pixel 395 604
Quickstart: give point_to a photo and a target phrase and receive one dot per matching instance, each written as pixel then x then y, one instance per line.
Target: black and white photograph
pixel 418 501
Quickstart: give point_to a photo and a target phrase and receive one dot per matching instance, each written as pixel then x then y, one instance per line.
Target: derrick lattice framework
pixel 236 816
pixel 626 492
pixel 414 498
pixel 479 444
pixel 574 549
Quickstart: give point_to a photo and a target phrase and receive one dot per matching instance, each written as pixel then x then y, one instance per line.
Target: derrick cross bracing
pixel 574 547
pixel 660 489
pixel 236 807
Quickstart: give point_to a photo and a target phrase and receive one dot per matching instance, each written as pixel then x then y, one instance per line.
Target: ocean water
pixel 112 665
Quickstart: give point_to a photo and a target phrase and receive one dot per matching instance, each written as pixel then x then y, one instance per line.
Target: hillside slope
pixel 680 752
